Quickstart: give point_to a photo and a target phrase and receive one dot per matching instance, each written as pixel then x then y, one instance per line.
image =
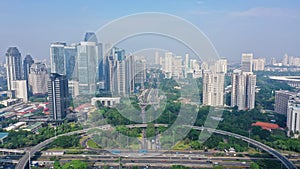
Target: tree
pixel 150 130
pixel 75 164
pixel 254 166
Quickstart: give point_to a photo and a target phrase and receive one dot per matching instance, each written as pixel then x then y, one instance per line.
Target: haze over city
pixel 149 84
pixel 267 28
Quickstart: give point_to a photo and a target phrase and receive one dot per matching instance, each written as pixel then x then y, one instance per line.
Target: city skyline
pixel 246 25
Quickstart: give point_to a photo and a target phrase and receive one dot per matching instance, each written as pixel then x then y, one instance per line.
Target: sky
pixel 267 28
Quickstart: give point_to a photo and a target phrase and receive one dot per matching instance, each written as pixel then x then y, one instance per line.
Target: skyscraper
pixel 70 59
pixel 213 88
pixel 259 64
pixel 281 101
pixel 88 59
pixel 90 37
pixel 247 59
pixel 57 58
pixel 58 96
pixel 63 59
pixel 293 116
pixel 28 61
pixel 243 89
pixel 38 78
pixel 120 72
pixel 140 72
pixel 131 72
pixel 213 83
pixel 13 66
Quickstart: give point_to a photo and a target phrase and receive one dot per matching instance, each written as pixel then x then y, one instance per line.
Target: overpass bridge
pixel 287 163
pixel 145 125
pixel 284 160
pixel 12 150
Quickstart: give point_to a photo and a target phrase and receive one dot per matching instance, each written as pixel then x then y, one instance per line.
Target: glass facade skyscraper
pixel 58 94
pixel 57 58
pixel 13 66
pixel 28 61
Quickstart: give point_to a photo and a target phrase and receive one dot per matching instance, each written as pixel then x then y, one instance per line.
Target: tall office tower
pixel 281 101
pixel 140 72
pixel 28 61
pixel 13 66
pixel 130 73
pixel 247 62
pixel 90 37
pixel 213 88
pixel 259 64
pixel 57 58
pixel 120 72
pixel 70 53
pixel 58 96
pixel 20 88
pixel 243 89
pixel 285 60
pixel 293 116
pixel 120 87
pixel 87 67
pixel 38 78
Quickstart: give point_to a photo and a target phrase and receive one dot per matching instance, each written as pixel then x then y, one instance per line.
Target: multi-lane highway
pixel 24 160
pixel 288 164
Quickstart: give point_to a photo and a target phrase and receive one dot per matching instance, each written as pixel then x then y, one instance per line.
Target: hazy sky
pixel 268 28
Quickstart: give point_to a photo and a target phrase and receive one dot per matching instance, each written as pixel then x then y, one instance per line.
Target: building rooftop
pixel 265 125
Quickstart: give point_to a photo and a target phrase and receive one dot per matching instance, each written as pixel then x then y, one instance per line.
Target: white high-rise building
pixel 20 88
pixel 221 65
pixel 213 88
pixel 213 84
pixel 293 116
pixel 38 78
pixel 259 64
pixel 177 68
pixel 168 62
pixel 186 65
pixel 243 89
pixel 247 59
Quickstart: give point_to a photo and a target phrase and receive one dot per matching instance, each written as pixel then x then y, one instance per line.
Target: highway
pixel 288 164
pixel 24 160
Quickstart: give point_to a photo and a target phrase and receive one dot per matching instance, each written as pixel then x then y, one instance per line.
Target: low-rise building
pixel 105 101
